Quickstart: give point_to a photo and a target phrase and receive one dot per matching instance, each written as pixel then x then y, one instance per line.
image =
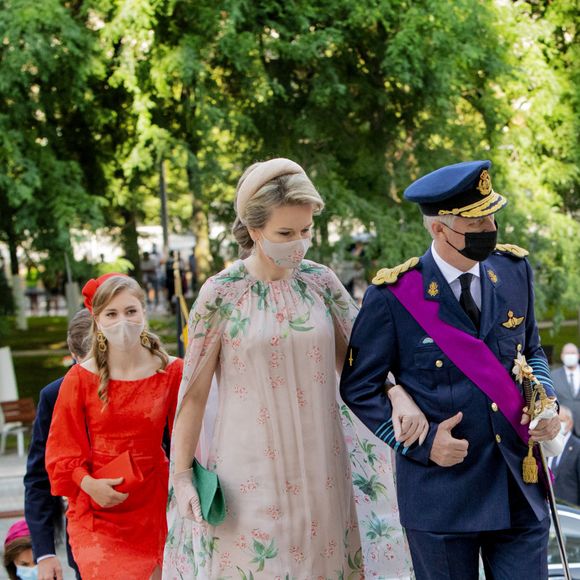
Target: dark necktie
pixel 466 299
pixel 573 384
pixel 556 463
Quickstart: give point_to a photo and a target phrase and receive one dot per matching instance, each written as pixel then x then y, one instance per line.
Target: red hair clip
pixel 90 288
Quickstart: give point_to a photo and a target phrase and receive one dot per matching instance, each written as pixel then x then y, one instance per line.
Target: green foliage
pixel 34 373
pixel 366 95
pixel 44 59
pixel 4 329
pixel 44 333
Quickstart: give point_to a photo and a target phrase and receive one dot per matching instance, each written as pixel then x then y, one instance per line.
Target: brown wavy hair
pixel 103 296
pixel 11 551
pixel 78 336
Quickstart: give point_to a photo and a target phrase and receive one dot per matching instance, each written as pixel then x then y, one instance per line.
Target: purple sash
pixel 469 354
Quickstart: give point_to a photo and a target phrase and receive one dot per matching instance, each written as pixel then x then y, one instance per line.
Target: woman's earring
pixel 101 341
pixel 145 339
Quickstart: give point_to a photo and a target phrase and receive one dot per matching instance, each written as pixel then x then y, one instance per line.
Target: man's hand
pixel 102 492
pixel 409 422
pixel 49 569
pixel 546 429
pixel 446 450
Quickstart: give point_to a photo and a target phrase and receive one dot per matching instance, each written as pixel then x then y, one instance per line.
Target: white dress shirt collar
pixel 451 273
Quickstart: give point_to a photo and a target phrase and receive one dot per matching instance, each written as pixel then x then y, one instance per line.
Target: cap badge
pixel 512 320
pixel 433 289
pixel 484 186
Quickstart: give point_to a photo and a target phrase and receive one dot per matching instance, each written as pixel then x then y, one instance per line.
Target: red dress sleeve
pixel 177 368
pixel 67 447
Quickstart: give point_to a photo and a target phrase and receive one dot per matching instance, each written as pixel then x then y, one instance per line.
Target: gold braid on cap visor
pixel 488 205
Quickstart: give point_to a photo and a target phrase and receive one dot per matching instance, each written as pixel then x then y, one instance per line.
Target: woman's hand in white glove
pixel 409 422
pixel 186 496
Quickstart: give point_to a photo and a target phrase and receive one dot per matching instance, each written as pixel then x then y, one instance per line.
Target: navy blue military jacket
pixel 40 507
pixel 473 495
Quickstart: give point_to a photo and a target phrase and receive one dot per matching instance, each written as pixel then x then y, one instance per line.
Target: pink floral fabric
pixel 304 480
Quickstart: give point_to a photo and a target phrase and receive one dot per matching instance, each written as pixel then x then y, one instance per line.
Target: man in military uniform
pixel 449 326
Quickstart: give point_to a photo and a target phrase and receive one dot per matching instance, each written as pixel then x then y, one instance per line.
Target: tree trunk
pixel 164 215
pixel 200 225
pixel 130 241
pixel 17 285
pixel 324 250
pixel 203 256
pixel 19 302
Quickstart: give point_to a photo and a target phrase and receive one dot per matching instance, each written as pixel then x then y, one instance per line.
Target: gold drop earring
pixel 101 341
pixel 145 339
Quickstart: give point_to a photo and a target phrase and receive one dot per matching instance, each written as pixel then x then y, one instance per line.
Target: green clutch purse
pixel 211 495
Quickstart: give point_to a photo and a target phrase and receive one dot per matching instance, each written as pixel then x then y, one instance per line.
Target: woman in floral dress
pixel 273 328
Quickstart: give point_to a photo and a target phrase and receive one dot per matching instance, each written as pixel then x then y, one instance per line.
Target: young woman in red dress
pixel 104 450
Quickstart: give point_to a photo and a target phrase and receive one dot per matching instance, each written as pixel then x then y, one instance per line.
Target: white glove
pixel 186 496
pixel 555 446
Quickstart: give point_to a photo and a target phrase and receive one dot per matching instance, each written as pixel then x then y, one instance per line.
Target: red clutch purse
pixel 122 466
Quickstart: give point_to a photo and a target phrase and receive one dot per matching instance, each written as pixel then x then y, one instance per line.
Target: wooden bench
pixel 18 417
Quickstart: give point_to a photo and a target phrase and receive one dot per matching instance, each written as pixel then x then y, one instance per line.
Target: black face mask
pixel 478 245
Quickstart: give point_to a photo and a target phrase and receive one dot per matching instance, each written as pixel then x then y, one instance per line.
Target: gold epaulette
pixel 512 249
pixel 391 275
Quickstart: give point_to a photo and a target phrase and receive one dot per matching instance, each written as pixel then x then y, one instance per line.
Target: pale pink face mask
pixel 123 335
pixel 285 254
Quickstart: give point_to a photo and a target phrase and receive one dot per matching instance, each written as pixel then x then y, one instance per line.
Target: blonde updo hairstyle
pixel 290 189
pixel 103 296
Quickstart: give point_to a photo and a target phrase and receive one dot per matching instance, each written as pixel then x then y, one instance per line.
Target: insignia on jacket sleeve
pixel 351 355
pixel 391 275
pixel 512 249
pixel 512 321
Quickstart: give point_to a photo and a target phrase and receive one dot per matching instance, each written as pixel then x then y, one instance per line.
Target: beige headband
pixel 260 175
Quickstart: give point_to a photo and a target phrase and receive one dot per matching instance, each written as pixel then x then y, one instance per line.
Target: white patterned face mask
pixel 286 254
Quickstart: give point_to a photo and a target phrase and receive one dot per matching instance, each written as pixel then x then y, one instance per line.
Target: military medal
pixel 433 289
pixel 512 321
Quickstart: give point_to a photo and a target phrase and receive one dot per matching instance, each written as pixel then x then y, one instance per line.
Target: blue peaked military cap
pixel 463 189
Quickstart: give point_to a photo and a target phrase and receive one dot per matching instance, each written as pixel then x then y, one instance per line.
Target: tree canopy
pixel 95 95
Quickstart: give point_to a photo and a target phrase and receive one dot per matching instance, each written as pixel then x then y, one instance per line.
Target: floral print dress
pixel 286 451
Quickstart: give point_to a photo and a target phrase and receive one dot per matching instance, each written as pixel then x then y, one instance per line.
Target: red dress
pixel 125 541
